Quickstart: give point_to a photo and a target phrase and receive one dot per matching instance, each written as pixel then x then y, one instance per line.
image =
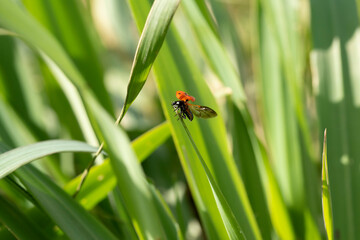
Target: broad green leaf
pixel 326 194
pixel 335 66
pixel 150 42
pixel 15 158
pixel 101 179
pixel 131 179
pixel 66 213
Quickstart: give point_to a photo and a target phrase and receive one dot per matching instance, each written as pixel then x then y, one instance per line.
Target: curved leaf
pixel 15 158
pixel 151 40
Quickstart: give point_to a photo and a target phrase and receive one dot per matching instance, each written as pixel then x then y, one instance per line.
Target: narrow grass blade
pixel 21 92
pixel 131 179
pixel 74 30
pixel 215 53
pixel 280 123
pixel 171 227
pixel 289 148
pixel 211 140
pixel 233 229
pixel 15 158
pixel 151 40
pixel 250 162
pixel 22 25
pixel 326 194
pixel 181 73
pixel 335 67
pixel 66 213
pixel 279 214
pixel 101 179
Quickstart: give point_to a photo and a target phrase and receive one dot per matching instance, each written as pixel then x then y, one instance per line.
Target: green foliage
pixel 326 195
pixel 249 173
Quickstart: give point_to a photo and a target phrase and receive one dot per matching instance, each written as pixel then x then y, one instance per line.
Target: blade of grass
pixel 171 228
pixel 25 27
pixel 15 158
pixel 102 180
pixel 70 24
pixel 334 60
pixel 281 109
pixel 18 223
pixel 233 229
pixel 66 213
pixel 21 92
pixel 215 53
pixel 131 179
pixel 151 40
pixel 283 141
pixel 326 194
pixel 183 72
pixel 14 132
pixel 152 37
pixel 220 62
pixel 22 25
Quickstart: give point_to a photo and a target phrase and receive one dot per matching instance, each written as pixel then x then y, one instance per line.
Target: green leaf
pixel 101 179
pixel 70 24
pixel 181 73
pixel 335 66
pixel 15 158
pixel 215 53
pixel 169 223
pixel 131 179
pixel 148 142
pixel 232 227
pixel 151 40
pixel 66 213
pixel 326 194
pixel 18 223
pixel 22 25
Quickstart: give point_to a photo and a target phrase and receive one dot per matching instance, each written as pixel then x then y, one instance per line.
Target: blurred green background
pixel 277 72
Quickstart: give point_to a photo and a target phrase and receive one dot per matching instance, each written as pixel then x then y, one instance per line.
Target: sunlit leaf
pixel 326 194
pixel 15 158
